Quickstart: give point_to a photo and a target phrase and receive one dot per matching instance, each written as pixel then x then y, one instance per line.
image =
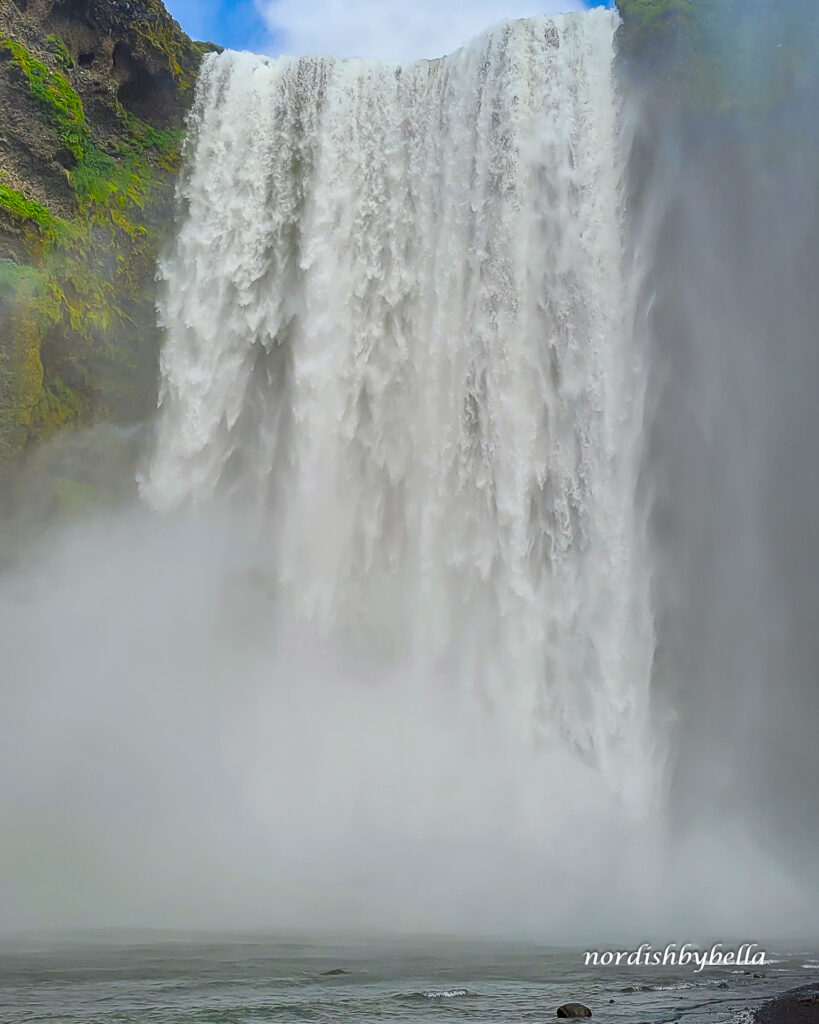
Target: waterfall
pixel 398 329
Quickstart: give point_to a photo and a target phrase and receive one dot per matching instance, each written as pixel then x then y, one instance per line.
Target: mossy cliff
pixel 720 56
pixel 93 95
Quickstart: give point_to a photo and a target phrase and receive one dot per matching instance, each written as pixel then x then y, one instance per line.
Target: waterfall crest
pixel 398 328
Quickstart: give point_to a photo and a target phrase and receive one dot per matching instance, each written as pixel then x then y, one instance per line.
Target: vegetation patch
pixel 60 51
pixel 734 55
pixel 57 405
pixel 98 179
pixel 52 91
pixel 17 207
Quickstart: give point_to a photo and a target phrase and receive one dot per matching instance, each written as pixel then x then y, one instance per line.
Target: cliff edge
pixel 93 96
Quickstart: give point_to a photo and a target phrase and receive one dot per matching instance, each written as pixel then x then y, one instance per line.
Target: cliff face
pixel 93 95
pixel 720 56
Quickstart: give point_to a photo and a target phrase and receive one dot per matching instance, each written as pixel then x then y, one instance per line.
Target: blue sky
pixel 393 29
pixel 234 23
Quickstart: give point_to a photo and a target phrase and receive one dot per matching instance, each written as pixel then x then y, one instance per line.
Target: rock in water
pixel 572 1010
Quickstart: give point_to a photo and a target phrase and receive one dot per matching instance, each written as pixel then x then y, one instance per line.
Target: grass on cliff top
pixel 53 92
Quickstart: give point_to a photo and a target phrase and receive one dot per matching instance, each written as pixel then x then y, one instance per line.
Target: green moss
pixel 12 277
pixel 57 406
pixel 182 54
pixel 16 206
pixel 162 147
pixel 20 283
pixel 60 51
pixel 10 272
pixel 736 54
pixel 164 35
pixel 95 276
pixel 54 94
pixel 98 179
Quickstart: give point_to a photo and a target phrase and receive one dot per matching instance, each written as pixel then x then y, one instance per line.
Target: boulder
pixel 573 1010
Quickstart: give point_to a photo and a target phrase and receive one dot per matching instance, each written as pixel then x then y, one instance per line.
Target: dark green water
pixel 241 980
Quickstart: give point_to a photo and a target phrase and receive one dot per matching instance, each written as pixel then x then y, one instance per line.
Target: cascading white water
pixel 397 327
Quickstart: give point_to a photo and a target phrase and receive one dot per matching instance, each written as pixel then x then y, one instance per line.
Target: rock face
pixel 573 1010
pixel 801 1006
pixel 93 95
pixel 717 57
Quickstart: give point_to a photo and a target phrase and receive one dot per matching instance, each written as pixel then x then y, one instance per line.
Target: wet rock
pixel 573 1010
pixel 800 1006
pixel 334 973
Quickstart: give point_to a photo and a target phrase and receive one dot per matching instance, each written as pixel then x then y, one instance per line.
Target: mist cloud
pixel 176 750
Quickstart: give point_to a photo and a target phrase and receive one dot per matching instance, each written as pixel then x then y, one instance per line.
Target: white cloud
pixel 391 29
